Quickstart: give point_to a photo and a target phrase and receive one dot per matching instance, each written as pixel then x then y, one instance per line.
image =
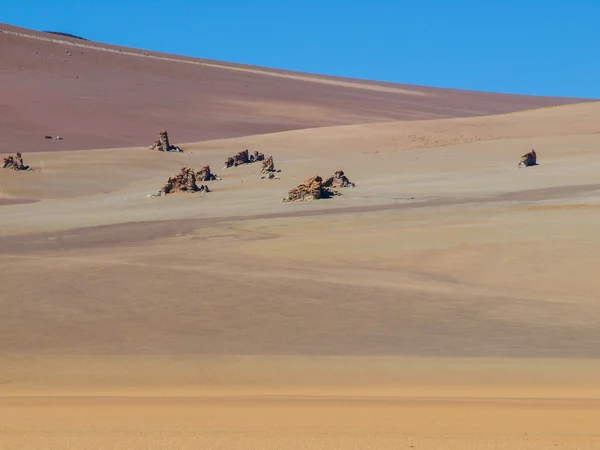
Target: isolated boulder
pixel 204 174
pixel 163 144
pixel 530 159
pixel 338 180
pixel 15 163
pixel 311 189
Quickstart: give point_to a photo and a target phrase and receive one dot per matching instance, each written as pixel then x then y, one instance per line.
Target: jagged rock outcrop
pixel 268 165
pixel 256 156
pixel 243 157
pixel 163 144
pixel 228 162
pixel 530 159
pixel 338 180
pixel 15 163
pixel 311 189
pixel 204 174
pixel 184 181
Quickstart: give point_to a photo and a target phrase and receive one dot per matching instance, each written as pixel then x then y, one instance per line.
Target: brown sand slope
pixel 449 301
pixel 431 254
pixel 231 320
pixel 99 96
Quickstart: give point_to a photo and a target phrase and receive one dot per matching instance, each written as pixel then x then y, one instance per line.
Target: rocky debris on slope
pixel 530 159
pixel 204 174
pixel 269 176
pixel 338 180
pixel 311 189
pixel 243 157
pixel 185 181
pixel 15 163
pixel 163 144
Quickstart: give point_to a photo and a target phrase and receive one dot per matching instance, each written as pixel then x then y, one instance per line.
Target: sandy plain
pixel 448 301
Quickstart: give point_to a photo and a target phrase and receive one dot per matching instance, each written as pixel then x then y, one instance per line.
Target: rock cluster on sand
pixel 15 163
pixel 185 181
pixel 268 170
pixel 311 189
pixel 163 144
pixel 268 165
pixel 204 174
pixel 530 159
pixel 243 157
pixel 338 180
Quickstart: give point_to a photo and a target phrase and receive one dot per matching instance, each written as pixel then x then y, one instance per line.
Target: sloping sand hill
pixel 95 95
pixel 448 301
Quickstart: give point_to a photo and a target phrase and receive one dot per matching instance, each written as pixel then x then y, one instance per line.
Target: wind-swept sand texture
pixel 97 96
pixel 448 301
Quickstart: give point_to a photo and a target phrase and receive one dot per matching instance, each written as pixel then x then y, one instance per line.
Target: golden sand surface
pixel 449 300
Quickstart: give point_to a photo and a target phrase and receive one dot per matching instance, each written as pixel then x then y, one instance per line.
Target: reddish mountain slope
pixel 97 95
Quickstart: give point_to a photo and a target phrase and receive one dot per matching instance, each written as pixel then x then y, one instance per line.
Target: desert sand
pixel 100 96
pixel 448 301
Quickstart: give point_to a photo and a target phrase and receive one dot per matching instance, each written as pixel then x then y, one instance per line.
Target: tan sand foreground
pixel 448 301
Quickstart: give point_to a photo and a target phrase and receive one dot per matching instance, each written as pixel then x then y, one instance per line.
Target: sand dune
pixel 430 255
pixel 447 301
pixel 98 96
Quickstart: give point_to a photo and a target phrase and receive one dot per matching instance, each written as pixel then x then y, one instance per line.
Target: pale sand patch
pixel 259 423
pixel 291 402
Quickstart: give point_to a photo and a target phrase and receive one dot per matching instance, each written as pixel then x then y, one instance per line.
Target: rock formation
pixel 185 181
pixel 311 189
pixel 530 159
pixel 268 165
pixel 243 157
pixel 205 174
pixel 15 163
pixel 256 156
pixel 338 180
pixel 163 144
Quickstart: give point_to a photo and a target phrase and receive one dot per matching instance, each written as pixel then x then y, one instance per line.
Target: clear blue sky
pixel 549 47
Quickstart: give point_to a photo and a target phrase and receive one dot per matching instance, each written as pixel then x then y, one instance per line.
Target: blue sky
pixel 548 47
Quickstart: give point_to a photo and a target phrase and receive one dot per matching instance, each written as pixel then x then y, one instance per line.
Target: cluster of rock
pixel 57 138
pixel 529 159
pixel 15 163
pixel 163 144
pixel 268 170
pixel 338 180
pixel 204 174
pixel 184 181
pixel 311 189
pixel 243 157
pixel 315 188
